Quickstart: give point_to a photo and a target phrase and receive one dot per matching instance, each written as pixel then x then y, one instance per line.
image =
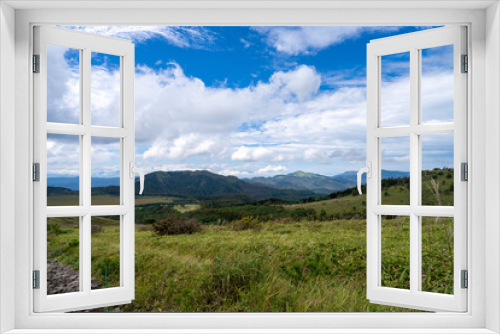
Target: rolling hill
pixel 73 182
pixel 204 184
pixel 317 183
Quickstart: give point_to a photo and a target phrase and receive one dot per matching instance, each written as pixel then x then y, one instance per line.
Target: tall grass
pixel 282 267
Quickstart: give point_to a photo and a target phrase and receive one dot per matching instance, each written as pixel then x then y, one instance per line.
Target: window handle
pixel 368 171
pixel 134 170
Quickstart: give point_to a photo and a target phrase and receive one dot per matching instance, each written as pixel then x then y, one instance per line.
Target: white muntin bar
pixel 86 298
pixel 414 297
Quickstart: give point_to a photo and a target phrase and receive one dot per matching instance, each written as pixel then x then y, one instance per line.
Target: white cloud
pixel 345 78
pixel 182 147
pixel 251 154
pixel 183 117
pixel 181 123
pixel 179 36
pixel 246 44
pixel 63 155
pixel 271 169
pixel 306 40
pixel 105 96
pixel 63 78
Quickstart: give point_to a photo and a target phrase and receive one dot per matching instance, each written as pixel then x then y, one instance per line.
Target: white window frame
pixel 413 43
pixel 484 48
pixel 86 43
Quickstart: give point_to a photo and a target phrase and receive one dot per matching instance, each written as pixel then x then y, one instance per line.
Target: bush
pixel 174 226
pixel 247 223
pixel 96 229
pixel 303 213
pixel 145 228
pixel 56 229
pixel 322 215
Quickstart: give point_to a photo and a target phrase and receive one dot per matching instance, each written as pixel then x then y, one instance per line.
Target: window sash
pixel 86 298
pixel 414 298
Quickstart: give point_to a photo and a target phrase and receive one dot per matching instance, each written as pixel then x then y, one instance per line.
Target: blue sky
pixel 250 101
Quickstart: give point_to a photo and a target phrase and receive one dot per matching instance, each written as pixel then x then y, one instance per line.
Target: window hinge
pixel 36 63
pixel 36 279
pixel 465 64
pixel 36 172
pixel 465 279
pixel 464 169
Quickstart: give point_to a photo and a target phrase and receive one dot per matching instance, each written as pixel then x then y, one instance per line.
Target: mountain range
pixel 317 183
pixel 73 182
pixel 202 184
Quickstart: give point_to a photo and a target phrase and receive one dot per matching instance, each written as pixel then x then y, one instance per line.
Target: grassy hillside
pixel 266 257
pixel 320 184
pixel 203 184
pixel 394 192
pixel 301 267
pixel 279 267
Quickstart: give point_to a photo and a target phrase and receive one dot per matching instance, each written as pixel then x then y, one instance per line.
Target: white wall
pixel 492 164
pixel 7 160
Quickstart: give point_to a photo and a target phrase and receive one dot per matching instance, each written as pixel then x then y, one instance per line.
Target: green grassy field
pixel 186 207
pixel 65 200
pixel 285 260
pixel 275 267
pixel 393 193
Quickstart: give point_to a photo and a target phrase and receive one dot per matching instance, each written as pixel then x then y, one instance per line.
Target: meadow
pixel 277 266
pixel 265 257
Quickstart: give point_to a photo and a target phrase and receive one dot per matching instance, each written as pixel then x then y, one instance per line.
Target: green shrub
pixel 55 228
pixel 97 229
pixel 247 223
pixel 174 226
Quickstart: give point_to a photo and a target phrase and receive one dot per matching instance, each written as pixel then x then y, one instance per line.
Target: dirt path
pixel 62 278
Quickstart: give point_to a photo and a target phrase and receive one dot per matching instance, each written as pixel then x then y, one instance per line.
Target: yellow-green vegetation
pixel 63 200
pixel 437 254
pixel 395 252
pixel 140 200
pixel 267 257
pixel 66 200
pixel 277 266
pixel 186 207
pixel 437 189
pixel 337 206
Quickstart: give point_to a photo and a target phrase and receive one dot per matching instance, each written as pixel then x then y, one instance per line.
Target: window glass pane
pixel 105 252
pixel 395 90
pixel 437 85
pixel 63 254
pixel 437 169
pixel 105 90
pixel 395 165
pixel 105 156
pixel 63 170
pixel 437 254
pixel 395 250
pixel 63 84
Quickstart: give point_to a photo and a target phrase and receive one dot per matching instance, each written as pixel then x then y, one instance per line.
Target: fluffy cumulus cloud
pixel 268 127
pixel 63 96
pixel 180 117
pixel 63 155
pixel 196 37
pixel 306 40
pixel 271 170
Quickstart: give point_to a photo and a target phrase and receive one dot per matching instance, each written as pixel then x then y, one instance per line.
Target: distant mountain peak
pixel 301 173
pixel 318 183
